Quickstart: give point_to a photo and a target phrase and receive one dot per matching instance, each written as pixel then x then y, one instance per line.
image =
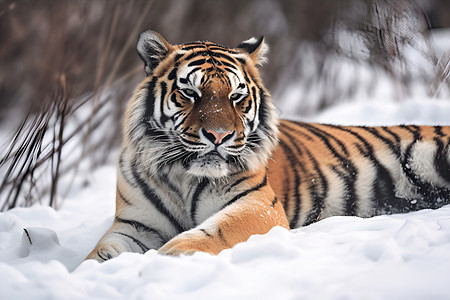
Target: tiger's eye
pixel 189 92
pixel 235 97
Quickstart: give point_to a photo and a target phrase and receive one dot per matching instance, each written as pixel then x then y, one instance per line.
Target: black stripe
pixel 156 134
pixel 394 147
pixel 124 170
pixel 142 228
pixel 255 139
pixel 226 79
pixel 198 62
pixel 232 72
pixel 440 160
pixel 246 77
pixel 141 245
pixel 164 180
pixel 192 71
pixel 222 55
pixel 242 61
pixel 246 109
pixel 163 118
pixel 239 139
pixel 325 136
pixel 318 200
pixel 149 111
pixel 438 131
pixel 254 99
pixel 245 193
pixel 173 74
pixel 286 197
pixel 263 111
pixel 297 181
pixel 198 46
pixel 108 256
pixel 220 48
pixel 135 133
pixel 393 134
pixel 221 237
pixel 238 182
pixel 274 201
pixel 177 57
pixel 182 123
pixel 174 99
pixel 406 158
pixel 236 173
pixel 150 101
pixel 174 86
pixel 156 201
pixel 194 43
pixel 204 79
pixel 415 130
pixel 319 173
pixel 196 197
pixel 195 54
pixel 123 197
pixel 232 66
pixel 205 232
pixel 293 126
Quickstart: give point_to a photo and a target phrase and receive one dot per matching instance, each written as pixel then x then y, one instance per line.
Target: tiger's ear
pixel 152 48
pixel 256 49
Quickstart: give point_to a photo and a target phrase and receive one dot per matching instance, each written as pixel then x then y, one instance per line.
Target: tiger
pixel 205 162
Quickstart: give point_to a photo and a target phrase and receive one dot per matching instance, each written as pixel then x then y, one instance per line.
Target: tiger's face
pixel 203 107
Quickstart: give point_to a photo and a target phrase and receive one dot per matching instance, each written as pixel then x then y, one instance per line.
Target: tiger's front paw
pixel 189 242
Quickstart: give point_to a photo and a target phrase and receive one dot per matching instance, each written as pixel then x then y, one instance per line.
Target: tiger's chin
pixel 211 169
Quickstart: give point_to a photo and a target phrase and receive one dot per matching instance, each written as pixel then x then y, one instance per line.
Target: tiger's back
pixel 322 170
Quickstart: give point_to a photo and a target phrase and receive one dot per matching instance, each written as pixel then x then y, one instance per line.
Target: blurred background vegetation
pixel 68 68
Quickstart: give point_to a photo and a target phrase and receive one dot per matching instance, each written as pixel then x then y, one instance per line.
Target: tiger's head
pixel 202 106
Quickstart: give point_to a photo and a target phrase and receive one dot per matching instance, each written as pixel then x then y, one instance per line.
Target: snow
pixel 416 111
pixel 385 257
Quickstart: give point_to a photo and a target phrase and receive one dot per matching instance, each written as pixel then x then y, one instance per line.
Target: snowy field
pixel 387 257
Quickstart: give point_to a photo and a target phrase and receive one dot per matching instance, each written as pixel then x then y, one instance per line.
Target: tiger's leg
pixel 130 232
pixel 256 213
pixel 119 238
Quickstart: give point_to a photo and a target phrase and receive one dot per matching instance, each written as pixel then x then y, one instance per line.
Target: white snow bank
pixel 388 257
pixel 419 111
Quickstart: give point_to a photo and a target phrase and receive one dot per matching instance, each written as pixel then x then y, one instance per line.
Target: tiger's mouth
pixel 211 156
pixel 210 159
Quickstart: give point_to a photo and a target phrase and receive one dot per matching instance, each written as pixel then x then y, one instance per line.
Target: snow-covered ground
pixel 387 257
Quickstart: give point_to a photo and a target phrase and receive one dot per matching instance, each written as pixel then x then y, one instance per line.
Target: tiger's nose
pixel 215 137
